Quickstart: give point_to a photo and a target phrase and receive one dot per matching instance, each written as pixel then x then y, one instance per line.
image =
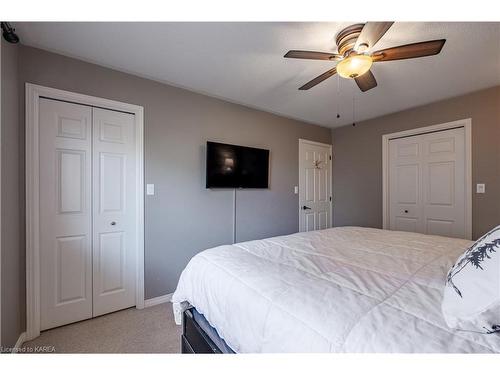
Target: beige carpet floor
pixel 151 330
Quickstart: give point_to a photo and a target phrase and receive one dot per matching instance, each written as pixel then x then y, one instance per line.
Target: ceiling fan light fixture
pixel 354 66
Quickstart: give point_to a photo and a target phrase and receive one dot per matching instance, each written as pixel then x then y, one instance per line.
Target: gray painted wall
pixel 183 217
pixel 13 250
pixel 357 168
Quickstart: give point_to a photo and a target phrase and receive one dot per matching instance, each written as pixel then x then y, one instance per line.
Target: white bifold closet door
pixel 427 183
pixel 87 205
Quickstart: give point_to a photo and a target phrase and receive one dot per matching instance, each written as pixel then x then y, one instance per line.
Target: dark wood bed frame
pixel 193 339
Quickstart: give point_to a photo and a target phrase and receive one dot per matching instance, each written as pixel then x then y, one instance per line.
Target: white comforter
pixel 346 289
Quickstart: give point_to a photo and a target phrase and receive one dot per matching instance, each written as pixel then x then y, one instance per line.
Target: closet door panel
pixel 405 179
pixel 114 238
pixel 65 211
pixel 445 183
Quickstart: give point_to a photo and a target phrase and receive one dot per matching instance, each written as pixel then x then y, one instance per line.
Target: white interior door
pixel 88 233
pixel 315 186
pixel 427 183
pixel 65 209
pixel 114 218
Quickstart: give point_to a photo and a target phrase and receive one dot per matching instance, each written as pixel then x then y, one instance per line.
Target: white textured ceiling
pixel 243 62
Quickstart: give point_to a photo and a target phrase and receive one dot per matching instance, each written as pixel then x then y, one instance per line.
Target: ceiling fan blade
pixel 312 55
pixel 371 34
pixel 366 82
pixel 409 51
pixel 318 79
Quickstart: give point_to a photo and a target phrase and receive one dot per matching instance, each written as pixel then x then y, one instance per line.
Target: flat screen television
pixel 231 166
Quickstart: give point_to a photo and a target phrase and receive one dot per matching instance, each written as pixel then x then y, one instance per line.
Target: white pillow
pixel 471 299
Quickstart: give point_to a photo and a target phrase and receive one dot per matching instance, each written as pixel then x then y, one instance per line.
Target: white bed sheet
pixel 345 289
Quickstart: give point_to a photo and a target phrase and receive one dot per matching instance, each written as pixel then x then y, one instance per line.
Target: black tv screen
pixel 230 166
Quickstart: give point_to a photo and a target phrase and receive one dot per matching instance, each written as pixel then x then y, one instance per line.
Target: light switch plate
pixel 150 189
pixel 480 188
pixel 296 189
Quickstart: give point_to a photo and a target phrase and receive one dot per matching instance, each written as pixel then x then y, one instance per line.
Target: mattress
pixel 211 332
pixel 345 289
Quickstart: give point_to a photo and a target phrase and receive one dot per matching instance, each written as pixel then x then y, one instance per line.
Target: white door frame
pixel 301 143
pixel 464 123
pixel 33 95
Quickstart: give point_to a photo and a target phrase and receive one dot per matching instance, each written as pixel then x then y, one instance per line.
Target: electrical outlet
pixel 480 188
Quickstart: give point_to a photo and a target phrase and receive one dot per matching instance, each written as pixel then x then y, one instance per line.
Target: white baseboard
pixel 19 343
pixel 158 300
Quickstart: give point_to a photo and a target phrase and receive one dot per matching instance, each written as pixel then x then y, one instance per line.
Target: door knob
pixel 406 211
pixel 113 223
pixel 306 208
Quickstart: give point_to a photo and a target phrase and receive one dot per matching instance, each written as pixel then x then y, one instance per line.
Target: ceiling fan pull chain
pixel 338 96
pixel 353 108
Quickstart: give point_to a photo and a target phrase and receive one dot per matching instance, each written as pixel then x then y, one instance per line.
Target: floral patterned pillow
pixel 471 299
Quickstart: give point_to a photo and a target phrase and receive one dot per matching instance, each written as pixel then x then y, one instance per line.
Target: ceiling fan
pixel 354 44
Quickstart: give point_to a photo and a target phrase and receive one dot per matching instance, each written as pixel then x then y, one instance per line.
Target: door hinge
pixel 330 199
pixel 330 157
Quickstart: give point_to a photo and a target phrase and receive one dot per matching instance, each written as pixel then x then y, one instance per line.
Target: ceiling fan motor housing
pixel 346 39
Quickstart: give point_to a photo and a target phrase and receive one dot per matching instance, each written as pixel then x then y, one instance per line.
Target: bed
pixel 345 289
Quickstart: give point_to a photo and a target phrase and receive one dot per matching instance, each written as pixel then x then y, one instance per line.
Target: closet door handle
pixel 113 223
